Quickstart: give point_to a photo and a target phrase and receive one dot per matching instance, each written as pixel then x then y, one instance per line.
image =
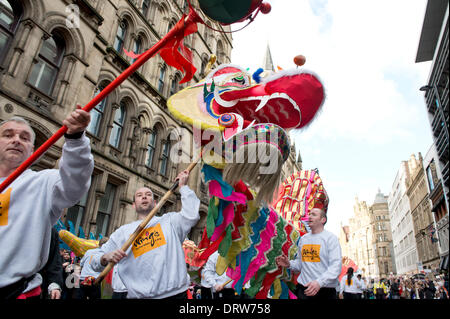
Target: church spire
pixel 268 62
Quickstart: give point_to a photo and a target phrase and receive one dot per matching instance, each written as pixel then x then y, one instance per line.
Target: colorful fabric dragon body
pixel 241 126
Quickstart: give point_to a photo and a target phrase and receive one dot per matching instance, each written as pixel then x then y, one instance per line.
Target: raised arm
pixel 76 164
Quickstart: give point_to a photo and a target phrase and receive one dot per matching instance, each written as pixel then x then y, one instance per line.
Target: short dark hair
pixel 323 214
pixel 134 195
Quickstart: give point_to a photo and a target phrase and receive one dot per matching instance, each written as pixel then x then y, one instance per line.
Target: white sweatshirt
pixel 319 258
pixel 85 263
pixel 210 278
pixel 116 283
pixel 36 201
pixel 353 288
pixel 362 286
pixel 155 267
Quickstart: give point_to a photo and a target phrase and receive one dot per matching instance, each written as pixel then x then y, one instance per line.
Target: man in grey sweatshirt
pixel 34 201
pixel 319 259
pixel 154 266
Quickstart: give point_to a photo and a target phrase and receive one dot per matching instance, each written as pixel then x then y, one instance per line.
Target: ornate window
pixel 203 67
pixel 170 26
pixel 105 209
pixel 75 213
pixel 206 32
pixel 137 46
pixel 120 36
pixel 162 74
pixel 431 176
pixel 151 148
pixel 165 151
pixel 46 67
pixel 118 124
pixel 9 18
pixel 220 53
pixel 145 7
pixel 97 114
pixel 174 87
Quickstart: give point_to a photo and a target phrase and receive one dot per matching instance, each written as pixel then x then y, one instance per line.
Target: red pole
pixel 191 18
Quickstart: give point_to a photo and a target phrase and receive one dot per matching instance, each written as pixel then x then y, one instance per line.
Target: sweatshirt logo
pixel 150 239
pixel 4 207
pixel 311 253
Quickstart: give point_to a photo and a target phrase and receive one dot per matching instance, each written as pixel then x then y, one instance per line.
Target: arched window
pixel 46 67
pixel 9 18
pixel 97 114
pixel 118 123
pixel 105 209
pixel 165 151
pixel 145 7
pixel 171 25
pixel 206 31
pixel 76 212
pixel 174 87
pixel 152 12
pixel 137 46
pixel 162 74
pixel 120 36
pixel 151 148
pixel 185 6
pixel 220 53
pixel 203 66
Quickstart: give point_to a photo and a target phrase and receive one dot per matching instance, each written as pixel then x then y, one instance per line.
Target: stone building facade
pixel 382 235
pixel 424 229
pixel 403 236
pixel 438 204
pixel 55 54
pixel 368 238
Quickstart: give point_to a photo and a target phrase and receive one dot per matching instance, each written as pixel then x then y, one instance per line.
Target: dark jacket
pixel 395 289
pixel 53 270
pixel 429 290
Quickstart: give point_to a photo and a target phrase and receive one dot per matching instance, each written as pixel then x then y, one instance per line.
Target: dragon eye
pixel 239 79
pixel 227 119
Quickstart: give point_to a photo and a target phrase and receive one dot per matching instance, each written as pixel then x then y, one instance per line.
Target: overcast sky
pixel 374 116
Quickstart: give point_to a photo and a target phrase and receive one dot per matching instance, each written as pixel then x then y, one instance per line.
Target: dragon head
pixel 244 123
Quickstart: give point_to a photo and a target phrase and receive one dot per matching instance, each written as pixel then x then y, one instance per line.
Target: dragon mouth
pixel 276 108
pixel 286 99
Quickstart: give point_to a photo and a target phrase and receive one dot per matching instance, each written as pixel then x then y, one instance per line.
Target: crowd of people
pixel 416 286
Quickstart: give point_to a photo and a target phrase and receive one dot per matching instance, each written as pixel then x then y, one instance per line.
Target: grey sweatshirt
pixel 319 258
pixel 155 267
pixel 210 278
pixel 36 201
